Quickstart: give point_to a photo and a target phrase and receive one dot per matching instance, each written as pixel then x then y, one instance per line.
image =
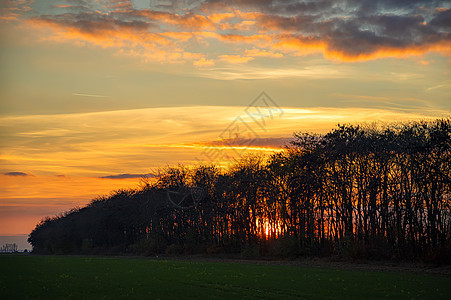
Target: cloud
pixel 90 95
pixel 129 176
pixel 439 86
pixel 241 71
pixel 272 143
pixel 14 10
pixel 442 19
pixel 342 30
pixel 355 36
pixel 86 146
pixel 261 53
pixel 16 174
pixel 235 59
pixel 203 62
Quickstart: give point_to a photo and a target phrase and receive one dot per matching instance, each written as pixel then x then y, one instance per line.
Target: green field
pixel 54 277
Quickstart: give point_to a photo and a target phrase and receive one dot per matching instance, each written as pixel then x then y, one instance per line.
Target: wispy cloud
pixel 90 95
pixel 107 143
pixel 439 86
pixel 250 72
pixel 272 143
pixel 20 174
pixel 129 176
pixel 236 59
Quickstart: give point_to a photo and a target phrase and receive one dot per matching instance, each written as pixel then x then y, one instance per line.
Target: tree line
pixel 9 248
pixel 359 191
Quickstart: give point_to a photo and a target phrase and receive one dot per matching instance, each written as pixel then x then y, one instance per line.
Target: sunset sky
pixel 95 94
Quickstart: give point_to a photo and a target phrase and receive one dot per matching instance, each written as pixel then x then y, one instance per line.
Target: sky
pixel 96 94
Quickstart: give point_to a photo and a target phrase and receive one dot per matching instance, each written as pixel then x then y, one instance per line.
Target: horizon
pixel 97 94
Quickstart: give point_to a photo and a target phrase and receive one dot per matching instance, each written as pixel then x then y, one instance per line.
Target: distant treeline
pixel 359 192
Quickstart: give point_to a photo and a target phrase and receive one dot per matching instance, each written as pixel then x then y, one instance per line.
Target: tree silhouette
pixel 359 191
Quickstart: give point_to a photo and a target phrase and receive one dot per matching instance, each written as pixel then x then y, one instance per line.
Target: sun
pixel 268 229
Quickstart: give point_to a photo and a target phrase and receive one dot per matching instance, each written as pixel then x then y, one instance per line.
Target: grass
pixel 62 277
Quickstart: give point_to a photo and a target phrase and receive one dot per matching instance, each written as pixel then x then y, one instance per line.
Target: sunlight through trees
pixel 359 191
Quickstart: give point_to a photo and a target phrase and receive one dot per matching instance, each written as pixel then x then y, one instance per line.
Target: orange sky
pixel 95 94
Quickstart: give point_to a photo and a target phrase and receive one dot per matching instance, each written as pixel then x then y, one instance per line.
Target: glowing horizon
pixel 96 93
pixel 88 176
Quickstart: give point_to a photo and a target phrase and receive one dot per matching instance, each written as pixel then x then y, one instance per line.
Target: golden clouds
pixel 236 59
pixel 443 47
pixel 261 53
pixel 203 62
pixel 133 141
pixel 201 37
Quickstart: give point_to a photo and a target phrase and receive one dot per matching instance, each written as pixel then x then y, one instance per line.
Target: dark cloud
pixel 16 174
pixel 94 22
pixel 128 176
pixel 309 6
pixel 442 19
pixel 344 29
pixel 354 28
pixel 256 142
